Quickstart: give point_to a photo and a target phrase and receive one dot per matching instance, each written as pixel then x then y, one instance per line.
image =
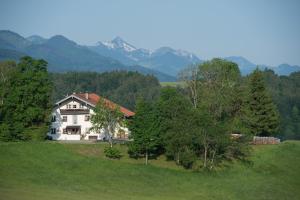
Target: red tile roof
pixel 94 99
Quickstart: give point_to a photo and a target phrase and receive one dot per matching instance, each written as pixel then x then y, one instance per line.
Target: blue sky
pixel 263 31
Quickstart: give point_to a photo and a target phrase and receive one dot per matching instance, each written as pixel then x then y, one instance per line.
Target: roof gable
pixel 92 99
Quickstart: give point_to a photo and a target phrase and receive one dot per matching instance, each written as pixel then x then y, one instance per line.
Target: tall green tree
pixel 175 116
pixel 262 115
pixel 107 117
pixel 218 112
pixel 26 107
pixel 144 131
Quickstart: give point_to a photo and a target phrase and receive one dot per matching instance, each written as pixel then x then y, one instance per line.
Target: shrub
pixel 112 152
pixel 187 158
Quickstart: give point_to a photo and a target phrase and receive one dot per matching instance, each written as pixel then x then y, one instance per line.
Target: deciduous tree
pixel 106 117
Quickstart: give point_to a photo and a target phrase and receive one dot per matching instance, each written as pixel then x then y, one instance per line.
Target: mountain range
pixel 164 59
pixel 63 55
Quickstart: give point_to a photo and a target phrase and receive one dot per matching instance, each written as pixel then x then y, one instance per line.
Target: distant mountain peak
pixel 13 40
pixel 62 40
pixel 118 39
pixel 119 43
pixel 189 56
pixel 36 39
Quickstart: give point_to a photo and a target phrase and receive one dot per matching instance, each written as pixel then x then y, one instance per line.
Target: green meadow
pixel 172 84
pixel 50 170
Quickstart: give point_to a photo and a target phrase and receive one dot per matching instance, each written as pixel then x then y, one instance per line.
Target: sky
pixel 263 31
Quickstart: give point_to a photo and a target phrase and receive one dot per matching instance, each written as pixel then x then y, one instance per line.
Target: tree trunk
pixel 177 158
pixel 205 156
pixel 146 158
pixel 212 160
pixel 108 136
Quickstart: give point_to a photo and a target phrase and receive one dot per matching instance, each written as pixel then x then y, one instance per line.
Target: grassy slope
pixel 69 171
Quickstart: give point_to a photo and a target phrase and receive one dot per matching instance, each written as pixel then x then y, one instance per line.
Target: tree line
pixel 216 88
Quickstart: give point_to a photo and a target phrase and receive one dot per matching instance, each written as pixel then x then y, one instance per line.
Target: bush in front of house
pixel 112 152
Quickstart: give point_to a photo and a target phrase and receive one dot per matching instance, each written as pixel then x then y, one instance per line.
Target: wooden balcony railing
pixel 74 111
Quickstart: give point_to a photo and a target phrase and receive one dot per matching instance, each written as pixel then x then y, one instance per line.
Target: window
pixel 65 118
pixel 53 130
pixel 53 119
pixel 81 105
pixel 74 106
pixel 64 131
pixel 87 118
pixel 74 119
pixel 68 106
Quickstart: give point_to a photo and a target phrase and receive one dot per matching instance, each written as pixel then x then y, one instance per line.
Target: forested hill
pixel 119 86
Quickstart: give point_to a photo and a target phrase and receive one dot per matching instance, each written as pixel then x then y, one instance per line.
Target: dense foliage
pixel 199 128
pixel 119 86
pixel 285 91
pixel 25 100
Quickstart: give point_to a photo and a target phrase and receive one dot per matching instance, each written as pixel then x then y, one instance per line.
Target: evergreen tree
pixel 261 113
pixel 144 131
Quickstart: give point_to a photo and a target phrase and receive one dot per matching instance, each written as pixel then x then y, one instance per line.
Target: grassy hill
pixel 49 170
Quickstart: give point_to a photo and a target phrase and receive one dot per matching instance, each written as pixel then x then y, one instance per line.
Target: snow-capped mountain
pixel 164 59
pixel 119 43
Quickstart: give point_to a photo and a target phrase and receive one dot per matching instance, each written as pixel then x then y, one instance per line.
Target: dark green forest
pixel 121 87
pixel 285 91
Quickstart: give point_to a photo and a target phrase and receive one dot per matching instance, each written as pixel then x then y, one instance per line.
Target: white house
pixel 71 118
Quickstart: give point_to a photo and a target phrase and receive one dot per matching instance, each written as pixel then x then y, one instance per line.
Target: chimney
pixel 87 95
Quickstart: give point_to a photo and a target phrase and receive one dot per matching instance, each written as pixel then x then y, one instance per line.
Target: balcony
pixel 74 111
